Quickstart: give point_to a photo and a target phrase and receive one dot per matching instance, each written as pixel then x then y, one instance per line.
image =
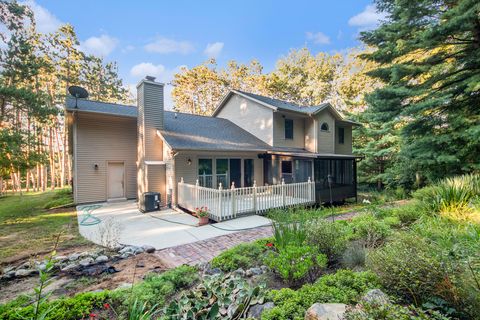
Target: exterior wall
pixel 345 148
pixel 156 180
pixel 279 140
pixel 325 140
pixel 310 135
pixel 99 139
pixel 250 116
pixel 189 173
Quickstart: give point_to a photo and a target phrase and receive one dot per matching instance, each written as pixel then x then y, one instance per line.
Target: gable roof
pixel 281 105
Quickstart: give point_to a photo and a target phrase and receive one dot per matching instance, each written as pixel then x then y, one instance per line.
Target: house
pixel 250 141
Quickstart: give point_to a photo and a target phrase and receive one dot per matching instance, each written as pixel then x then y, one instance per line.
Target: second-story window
pixel 341 135
pixel 288 129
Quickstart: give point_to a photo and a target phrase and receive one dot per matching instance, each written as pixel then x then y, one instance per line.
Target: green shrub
pixel 344 286
pixel 408 267
pixel 354 255
pixel 370 229
pixel 329 238
pixel 77 307
pixel 289 226
pixel 245 255
pixel 453 197
pixel 408 214
pixel 391 312
pixel 156 289
pixel 294 263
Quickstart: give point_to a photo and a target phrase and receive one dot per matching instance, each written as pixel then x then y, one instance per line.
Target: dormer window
pixel 288 129
pixel 324 127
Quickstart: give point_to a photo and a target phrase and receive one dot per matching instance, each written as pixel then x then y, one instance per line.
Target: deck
pixel 225 204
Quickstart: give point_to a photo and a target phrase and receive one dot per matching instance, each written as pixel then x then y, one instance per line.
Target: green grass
pixel 26 227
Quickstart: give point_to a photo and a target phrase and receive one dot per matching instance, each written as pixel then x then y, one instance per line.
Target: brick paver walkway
pixel 206 250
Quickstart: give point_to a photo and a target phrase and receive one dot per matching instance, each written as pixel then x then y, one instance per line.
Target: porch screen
pixel 303 170
pixel 248 173
pixel 205 177
pixel 341 172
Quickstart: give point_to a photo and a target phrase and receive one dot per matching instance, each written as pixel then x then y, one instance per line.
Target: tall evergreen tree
pixel 429 56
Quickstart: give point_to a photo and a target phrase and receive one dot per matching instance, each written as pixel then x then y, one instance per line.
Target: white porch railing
pixel 224 204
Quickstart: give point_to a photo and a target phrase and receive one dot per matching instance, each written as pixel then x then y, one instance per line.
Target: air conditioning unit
pixel 150 201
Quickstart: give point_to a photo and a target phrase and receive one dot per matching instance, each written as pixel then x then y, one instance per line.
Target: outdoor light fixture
pixel 95 166
pixel 189 161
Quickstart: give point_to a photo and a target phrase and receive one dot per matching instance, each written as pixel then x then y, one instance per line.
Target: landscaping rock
pixel 253 272
pixel 124 285
pixel 86 262
pixel 41 266
pixel 8 269
pixel 125 255
pixel 264 268
pixel 212 271
pixel 255 311
pixel 8 275
pixel 25 265
pixel 85 254
pixel 326 311
pixel 60 258
pixel 376 296
pixel 74 257
pixel 69 267
pixel 25 272
pixel 138 250
pixel 101 259
pixel 148 249
pixel 239 272
pixel 127 249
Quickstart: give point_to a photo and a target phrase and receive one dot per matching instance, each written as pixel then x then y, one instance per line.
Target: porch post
pixel 309 189
pixel 255 196
pixel 196 194
pixel 234 203
pixel 220 200
pixel 283 192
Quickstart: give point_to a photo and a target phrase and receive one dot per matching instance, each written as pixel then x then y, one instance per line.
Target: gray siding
pixel 279 140
pixel 100 139
pixel 250 116
pixel 345 148
pixel 310 135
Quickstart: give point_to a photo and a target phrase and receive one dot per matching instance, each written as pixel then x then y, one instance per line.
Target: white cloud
pixel 368 18
pixel 45 21
pixel 100 46
pixel 147 69
pixel 128 48
pixel 165 45
pixel 213 49
pixel 318 37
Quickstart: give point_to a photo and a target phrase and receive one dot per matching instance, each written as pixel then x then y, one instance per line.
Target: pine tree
pixel 429 57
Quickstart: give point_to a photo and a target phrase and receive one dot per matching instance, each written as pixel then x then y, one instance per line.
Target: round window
pixel 324 126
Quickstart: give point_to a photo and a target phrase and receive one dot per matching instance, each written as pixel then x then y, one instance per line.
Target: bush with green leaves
pixel 156 289
pixel 217 297
pixel 391 311
pixel 344 286
pixel 69 308
pixel 370 229
pixel 295 263
pixel 354 255
pixel 408 267
pixel 245 255
pixel 329 238
pixel 456 197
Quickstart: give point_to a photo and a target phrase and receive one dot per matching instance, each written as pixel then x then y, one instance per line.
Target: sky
pixel 159 37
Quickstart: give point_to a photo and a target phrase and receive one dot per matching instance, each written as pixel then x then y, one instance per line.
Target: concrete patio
pixel 123 222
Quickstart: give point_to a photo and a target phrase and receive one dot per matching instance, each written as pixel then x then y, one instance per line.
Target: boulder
pixel 25 272
pixel 128 249
pixel 148 249
pixel 326 311
pixel 138 250
pixel 101 259
pixel 125 255
pixel 86 262
pixel 253 272
pixel 74 256
pixel 255 311
pixel 239 272
pixel 60 258
pixel 69 267
pixel 376 296
pixel 8 269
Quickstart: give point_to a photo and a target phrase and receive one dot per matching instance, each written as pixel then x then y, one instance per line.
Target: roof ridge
pixel 112 103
